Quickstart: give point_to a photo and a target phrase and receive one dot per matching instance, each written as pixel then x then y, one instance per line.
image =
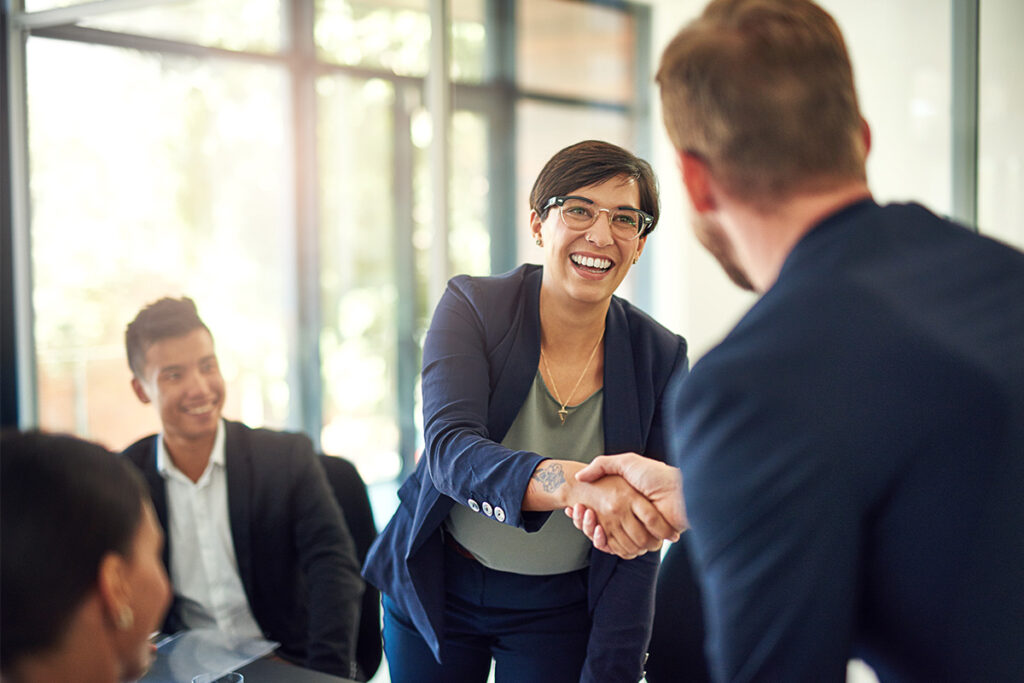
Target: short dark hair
pixel 64 504
pixel 590 162
pixel 166 318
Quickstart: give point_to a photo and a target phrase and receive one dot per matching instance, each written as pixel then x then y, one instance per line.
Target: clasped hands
pixel 635 504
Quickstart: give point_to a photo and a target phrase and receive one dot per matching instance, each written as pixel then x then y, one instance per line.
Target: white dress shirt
pixel 204 570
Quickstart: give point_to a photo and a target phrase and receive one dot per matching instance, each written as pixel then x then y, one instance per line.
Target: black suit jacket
pixel 295 554
pixel 853 459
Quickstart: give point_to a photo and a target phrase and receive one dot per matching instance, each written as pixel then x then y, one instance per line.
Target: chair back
pixel 350 492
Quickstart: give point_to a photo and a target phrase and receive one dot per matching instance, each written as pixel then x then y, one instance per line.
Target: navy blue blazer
pixel 853 459
pixel 479 360
pixel 296 557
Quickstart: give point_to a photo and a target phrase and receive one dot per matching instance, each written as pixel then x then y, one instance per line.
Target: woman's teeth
pixel 591 262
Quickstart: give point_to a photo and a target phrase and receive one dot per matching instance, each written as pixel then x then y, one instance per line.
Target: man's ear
pixel 696 180
pixel 140 390
pixel 865 135
pixel 111 584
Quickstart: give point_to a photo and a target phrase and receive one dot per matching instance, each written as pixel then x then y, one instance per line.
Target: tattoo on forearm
pixel 550 476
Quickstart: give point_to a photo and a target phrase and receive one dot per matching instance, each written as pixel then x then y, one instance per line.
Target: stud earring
pixel 539 240
pixel 125 618
pixel 636 258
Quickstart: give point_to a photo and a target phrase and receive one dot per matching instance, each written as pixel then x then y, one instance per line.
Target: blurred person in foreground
pixel 256 544
pixel 852 453
pixel 526 377
pixel 81 585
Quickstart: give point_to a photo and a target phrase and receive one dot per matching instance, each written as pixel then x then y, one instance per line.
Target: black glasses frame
pixel 646 219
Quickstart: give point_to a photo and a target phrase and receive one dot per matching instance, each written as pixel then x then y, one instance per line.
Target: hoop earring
pixel 539 240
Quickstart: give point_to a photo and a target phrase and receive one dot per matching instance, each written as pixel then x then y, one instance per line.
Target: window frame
pixel 493 99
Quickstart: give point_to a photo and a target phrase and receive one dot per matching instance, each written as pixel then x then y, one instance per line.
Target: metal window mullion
pixel 73 14
pixel 964 173
pixel 407 347
pixel 567 101
pixel 27 390
pixel 439 106
pixel 643 273
pixel 500 113
pixel 305 349
pixel 133 41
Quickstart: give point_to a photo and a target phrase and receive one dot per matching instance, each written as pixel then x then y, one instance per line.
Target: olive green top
pixel 558 547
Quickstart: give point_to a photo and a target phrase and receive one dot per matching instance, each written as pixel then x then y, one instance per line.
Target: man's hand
pixel 630 524
pixel 661 484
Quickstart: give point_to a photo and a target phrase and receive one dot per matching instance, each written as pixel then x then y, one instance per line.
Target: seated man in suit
pixel 256 543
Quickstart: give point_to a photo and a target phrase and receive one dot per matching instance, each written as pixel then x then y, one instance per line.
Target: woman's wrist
pixel 552 486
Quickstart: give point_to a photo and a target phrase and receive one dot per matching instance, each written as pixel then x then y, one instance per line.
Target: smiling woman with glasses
pixel 528 376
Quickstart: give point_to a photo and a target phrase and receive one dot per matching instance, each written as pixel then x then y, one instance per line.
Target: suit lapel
pixel 238 468
pixel 622 424
pixel 623 430
pixel 517 357
pixel 158 493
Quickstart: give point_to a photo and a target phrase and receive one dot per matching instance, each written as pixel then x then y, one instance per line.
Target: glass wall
pixel 908 108
pixel 1001 122
pixel 358 290
pixel 155 175
pixel 271 160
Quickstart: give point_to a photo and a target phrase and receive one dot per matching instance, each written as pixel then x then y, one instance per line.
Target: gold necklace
pixel 562 412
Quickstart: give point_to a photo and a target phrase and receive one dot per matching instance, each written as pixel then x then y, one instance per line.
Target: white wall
pixel 901 60
pixel 692 296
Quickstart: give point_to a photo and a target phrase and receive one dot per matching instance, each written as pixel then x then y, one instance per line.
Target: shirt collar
pixel 165 466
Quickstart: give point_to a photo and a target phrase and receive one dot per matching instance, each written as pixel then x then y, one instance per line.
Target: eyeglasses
pixel 579 213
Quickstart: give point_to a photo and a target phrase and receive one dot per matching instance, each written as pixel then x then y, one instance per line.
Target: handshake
pixel 627 504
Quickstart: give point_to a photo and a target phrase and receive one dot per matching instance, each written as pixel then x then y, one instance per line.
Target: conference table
pixel 189 653
pixel 273 670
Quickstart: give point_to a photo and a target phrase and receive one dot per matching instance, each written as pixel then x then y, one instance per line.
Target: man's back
pixel 871 407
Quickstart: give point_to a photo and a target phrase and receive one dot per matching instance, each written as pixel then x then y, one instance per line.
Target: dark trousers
pixel 534 627
pixel 677 641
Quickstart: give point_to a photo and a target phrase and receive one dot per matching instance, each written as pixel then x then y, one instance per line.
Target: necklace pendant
pixel 562 412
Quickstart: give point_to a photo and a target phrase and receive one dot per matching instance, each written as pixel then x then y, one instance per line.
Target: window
pixel 1001 123
pixel 155 175
pixel 271 160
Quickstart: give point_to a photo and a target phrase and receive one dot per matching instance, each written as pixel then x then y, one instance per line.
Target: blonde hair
pixel 763 92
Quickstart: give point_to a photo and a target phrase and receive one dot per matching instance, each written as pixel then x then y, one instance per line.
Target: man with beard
pixel 256 544
pixel 852 453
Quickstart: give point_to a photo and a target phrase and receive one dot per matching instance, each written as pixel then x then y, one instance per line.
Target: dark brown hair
pixel 164 319
pixel 65 503
pixel 590 162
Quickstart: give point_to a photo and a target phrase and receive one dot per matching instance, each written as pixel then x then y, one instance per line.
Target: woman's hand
pixel 629 524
